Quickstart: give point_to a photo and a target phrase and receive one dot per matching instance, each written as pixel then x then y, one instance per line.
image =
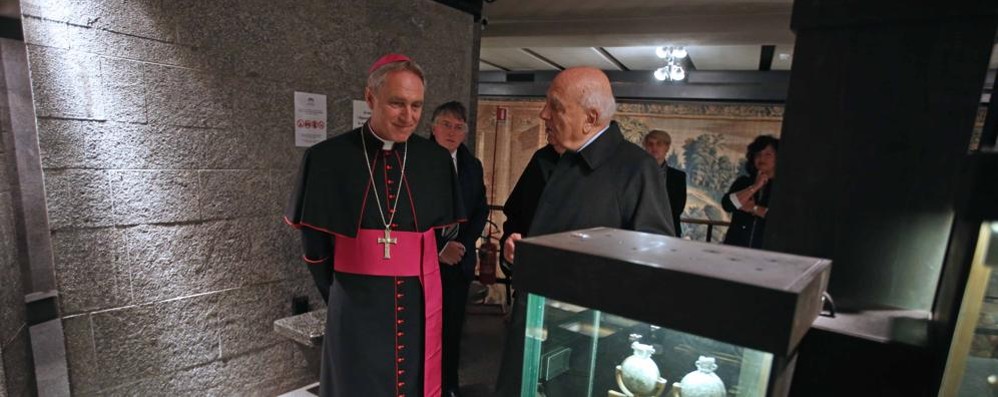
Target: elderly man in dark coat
pixel 600 180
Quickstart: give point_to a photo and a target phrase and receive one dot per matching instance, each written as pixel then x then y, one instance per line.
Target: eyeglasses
pixel 453 127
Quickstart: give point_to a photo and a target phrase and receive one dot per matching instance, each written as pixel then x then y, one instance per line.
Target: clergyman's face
pixel 397 106
pixel 449 131
pixel 564 117
pixel 657 148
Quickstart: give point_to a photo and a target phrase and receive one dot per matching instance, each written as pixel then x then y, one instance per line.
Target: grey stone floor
pixel 481 350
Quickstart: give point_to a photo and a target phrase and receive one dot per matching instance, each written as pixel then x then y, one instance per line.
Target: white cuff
pixel 734 200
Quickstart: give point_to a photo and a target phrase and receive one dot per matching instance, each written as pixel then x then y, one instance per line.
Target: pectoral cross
pixel 388 239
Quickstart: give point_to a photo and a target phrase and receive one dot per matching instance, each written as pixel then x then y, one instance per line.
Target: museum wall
pixel 167 144
pixel 16 367
pixel 708 143
pixel 709 140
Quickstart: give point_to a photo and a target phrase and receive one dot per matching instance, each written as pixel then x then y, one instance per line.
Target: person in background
pixel 657 144
pixel 458 258
pixel 748 197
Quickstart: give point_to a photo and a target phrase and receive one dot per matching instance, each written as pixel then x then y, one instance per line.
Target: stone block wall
pixel 16 369
pixel 166 135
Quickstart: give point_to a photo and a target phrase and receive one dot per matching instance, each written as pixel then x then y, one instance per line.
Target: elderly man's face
pixel 565 120
pixel 396 106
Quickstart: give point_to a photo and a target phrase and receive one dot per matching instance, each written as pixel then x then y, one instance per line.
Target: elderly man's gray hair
pixel 606 105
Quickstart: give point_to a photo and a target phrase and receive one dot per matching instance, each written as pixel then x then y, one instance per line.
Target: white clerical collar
pixel 385 145
pixel 593 138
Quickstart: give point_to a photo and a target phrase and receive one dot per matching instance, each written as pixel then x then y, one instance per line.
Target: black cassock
pixel 374 340
pixel 610 183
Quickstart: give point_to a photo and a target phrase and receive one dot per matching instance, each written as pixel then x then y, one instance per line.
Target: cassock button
pixel 390 182
pixel 399 282
pixel 401 384
pixel 395 225
pixel 401 372
pixel 391 210
pixel 400 334
pixel 399 296
pixel 400 360
pixel 400 347
pixel 388 166
pixel 401 322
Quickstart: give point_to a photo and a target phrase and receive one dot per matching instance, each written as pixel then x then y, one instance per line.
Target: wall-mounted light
pixel 673 70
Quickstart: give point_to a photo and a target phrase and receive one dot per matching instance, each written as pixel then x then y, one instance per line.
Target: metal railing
pixel 692 221
pixel 710 225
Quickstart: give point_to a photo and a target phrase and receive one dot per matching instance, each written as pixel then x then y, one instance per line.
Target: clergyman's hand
pixel 510 247
pixel 452 253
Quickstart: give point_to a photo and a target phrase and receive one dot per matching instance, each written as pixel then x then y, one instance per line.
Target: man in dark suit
pixel 457 259
pixel 657 144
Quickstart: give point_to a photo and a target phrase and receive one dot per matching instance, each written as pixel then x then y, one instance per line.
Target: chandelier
pixel 673 70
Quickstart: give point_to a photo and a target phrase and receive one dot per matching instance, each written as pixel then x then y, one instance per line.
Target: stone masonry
pixel 16 375
pixel 166 135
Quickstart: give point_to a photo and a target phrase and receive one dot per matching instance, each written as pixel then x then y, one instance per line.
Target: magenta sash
pixel 413 254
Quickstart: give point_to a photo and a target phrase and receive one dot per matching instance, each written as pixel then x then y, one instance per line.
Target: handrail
pixel 698 221
pixel 711 223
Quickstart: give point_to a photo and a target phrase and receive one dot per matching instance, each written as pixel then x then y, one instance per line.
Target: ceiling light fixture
pixel 673 70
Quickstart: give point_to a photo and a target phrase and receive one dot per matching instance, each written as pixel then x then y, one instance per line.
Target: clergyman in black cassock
pixel 600 180
pixel 370 203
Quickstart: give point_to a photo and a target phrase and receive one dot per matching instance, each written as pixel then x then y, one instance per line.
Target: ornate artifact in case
pixel 638 375
pixel 619 313
pixel 703 382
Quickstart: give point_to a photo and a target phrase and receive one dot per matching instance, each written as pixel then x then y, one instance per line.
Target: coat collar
pixel 603 147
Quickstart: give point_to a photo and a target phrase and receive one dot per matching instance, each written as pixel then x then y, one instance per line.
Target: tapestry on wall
pixel 708 142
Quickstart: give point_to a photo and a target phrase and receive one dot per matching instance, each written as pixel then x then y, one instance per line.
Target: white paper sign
pixel 360 113
pixel 310 119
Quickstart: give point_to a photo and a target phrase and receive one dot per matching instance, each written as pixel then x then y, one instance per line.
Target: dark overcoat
pixel 610 183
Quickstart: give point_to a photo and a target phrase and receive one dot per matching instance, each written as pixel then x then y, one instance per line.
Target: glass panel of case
pixel 575 351
pixel 972 367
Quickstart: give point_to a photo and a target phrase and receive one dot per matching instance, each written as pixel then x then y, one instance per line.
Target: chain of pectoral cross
pixel 388 239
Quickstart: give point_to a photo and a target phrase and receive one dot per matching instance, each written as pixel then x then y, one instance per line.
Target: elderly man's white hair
pixel 606 105
pixel 594 90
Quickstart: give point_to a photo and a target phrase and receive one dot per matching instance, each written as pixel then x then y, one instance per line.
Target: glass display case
pixel 618 313
pixel 972 363
pixel 972 368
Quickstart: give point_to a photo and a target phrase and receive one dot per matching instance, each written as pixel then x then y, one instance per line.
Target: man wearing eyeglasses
pixel 457 259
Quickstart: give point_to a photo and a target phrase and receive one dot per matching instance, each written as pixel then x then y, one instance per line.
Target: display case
pixel 621 313
pixel 972 362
